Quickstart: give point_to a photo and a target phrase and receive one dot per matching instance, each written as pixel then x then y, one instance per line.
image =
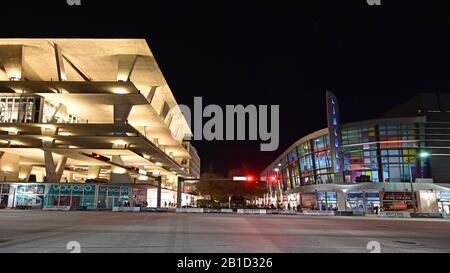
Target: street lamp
pixel 421 155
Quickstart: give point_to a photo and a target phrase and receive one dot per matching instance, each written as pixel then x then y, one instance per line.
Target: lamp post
pixel 421 155
pixel 412 188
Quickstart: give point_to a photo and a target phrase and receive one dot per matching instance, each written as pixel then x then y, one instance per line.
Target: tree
pixel 218 188
pixel 214 186
pixel 249 190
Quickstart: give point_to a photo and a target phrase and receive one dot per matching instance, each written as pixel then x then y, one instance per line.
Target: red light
pixel 273 178
pixel 250 178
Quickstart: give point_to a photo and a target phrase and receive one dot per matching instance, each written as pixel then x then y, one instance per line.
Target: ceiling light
pixel 11 131
pixel 120 142
pixel 14 75
pixel 16 143
pixel 120 91
pixel 143 178
pixel 48 126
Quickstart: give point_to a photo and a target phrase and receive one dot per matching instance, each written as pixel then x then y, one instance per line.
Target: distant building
pixel 192 164
pixel 371 163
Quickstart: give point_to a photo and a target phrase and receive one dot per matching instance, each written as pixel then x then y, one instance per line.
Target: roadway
pixel 41 231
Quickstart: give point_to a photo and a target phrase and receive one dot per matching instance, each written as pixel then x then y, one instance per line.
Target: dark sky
pixel 267 52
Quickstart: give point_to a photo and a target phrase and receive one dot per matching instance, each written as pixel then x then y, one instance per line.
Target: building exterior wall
pixel 193 163
pixel 108 116
pixel 87 196
pixel 375 151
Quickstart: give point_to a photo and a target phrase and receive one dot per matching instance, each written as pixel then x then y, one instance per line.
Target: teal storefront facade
pixel 75 196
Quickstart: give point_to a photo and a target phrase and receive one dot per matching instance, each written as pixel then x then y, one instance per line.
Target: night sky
pixel 267 52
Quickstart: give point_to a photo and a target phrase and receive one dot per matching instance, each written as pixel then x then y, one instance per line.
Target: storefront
pixel 293 200
pixel 113 196
pixel 40 195
pixel 443 199
pixel 327 200
pixel 169 198
pixel 363 202
pixel 4 195
pixel 29 196
pixel 308 201
pixel 70 195
pixel 372 198
pixel 398 201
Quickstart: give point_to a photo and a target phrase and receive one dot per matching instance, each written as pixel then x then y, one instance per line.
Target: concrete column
pixel 121 113
pixel 97 189
pixel 318 204
pixel 119 175
pixel 70 177
pixel 49 163
pixel 60 111
pixel 158 191
pixel 365 201
pixel 125 67
pixel 61 166
pixel 427 202
pixel 60 64
pixel 340 199
pixel 54 173
pixel 93 172
pixel 179 190
pixel 24 172
pixel 40 177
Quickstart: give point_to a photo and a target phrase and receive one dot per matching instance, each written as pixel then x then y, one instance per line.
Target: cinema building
pixel 89 123
pixel 398 162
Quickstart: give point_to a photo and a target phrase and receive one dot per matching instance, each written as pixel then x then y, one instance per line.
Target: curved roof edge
pixel 370 186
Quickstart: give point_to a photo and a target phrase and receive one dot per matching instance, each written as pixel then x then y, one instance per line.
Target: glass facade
pixel 31 109
pixel 39 195
pixel 372 153
pixel 31 195
pixel 307 164
pixel 327 200
pixel 23 109
pixel 109 196
pixel 322 160
pixel 384 153
pixel 4 195
pixel 363 202
pixel 71 195
pixel 444 202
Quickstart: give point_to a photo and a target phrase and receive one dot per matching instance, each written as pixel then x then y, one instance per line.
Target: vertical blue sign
pixel 334 128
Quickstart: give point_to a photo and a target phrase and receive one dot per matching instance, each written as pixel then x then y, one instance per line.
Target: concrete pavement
pixel 41 231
